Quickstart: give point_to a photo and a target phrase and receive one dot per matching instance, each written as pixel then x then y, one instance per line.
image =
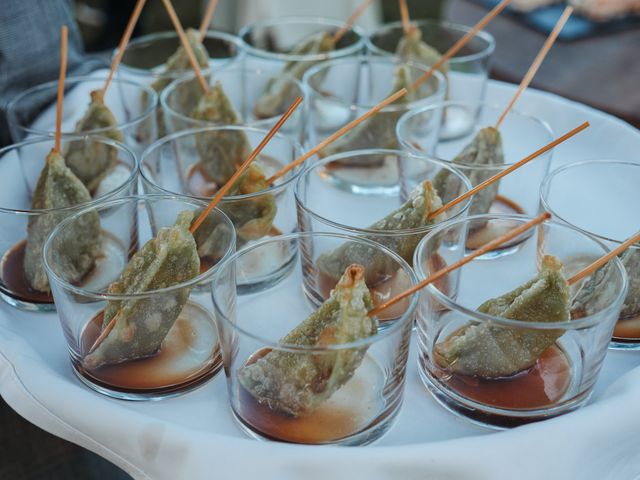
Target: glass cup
pixel 342 90
pixel 354 399
pixel 169 345
pixel 324 206
pixel 497 370
pixel 144 59
pixel 468 69
pixel 33 112
pixel 244 88
pixel 610 215
pixel 172 165
pixel 268 43
pixel 521 135
pixel 20 166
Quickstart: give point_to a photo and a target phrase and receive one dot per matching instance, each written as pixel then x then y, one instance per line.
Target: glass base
pixel 260 272
pixel 626 335
pixel 27 306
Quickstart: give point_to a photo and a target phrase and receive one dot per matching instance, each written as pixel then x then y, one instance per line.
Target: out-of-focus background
pixel 594 62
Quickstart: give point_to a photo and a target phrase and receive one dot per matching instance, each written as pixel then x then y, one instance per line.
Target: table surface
pixel 602 71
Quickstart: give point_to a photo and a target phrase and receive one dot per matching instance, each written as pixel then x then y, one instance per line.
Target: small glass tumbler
pixel 324 206
pixel 523 366
pixel 468 70
pixel 20 166
pixel 33 112
pixel 317 388
pixel 244 88
pixel 160 341
pixel 268 43
pixel 173 165
pixel 611 215
pixel 145 57
pixel 521 134
pixel 342 90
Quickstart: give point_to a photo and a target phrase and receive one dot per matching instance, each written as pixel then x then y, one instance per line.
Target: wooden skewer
pixel 508 170
pixel 206 20
pixel 533 69
pixel 333 137
pixel 588 270
pixel 404 14
pixel 185 44
pixel 126 36
pixel 462 42
pixel 354 16
pixel 476 253
pixel 227 186
pixel 63 71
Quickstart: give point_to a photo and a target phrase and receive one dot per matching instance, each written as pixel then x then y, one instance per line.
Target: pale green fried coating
pixel 484 150
pixel 136 328
pixel 298 383
pixel 90 161
pixel 412 48
pixel 278 95
pixel 492 351
pixel 414 213
pixel 58 187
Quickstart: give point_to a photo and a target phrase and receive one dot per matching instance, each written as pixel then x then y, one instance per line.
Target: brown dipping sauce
pixel 14 280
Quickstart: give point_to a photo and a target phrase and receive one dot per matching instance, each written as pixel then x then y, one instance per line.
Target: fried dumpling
pixel 484 150
pixel 136 328
pixel 412 48
pixel 414 213
pixel 487 351
pixel 91 161
pixel 58 187
pixel 279 94
pixel 298 383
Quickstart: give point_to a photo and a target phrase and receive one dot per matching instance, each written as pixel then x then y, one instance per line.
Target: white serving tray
pixel 194 436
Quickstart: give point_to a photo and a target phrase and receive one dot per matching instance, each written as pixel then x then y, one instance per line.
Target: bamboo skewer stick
pixel 508 170
pixel 63 72
pixel 185 44
pixel 227 186
pixel 126 36
pixel 206 20
pixel 533 69
pixel 462 42
pixel 476 253
pixel 333 137
pixel 588 270
pixel 354 16
pixel 404 14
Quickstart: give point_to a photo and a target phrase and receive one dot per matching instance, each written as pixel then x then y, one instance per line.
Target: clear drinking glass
pixel 327 391
pixel 342 90
pixel 173 166
pixel 600 198
pixel 496 370
pixel 169 343
pixel 20 167
pixel 145 57
pixel 324 206
pixel 33 112
pixel 244 88
pixel 468 70
pixel 521 134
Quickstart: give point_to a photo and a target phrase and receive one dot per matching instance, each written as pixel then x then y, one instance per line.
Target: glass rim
pixel 175 84
pixel 301 19
pixel 381 233
pixel 391 329
pixel 584 322
pixel 406 118
pixel 74 80
pixel 458 27
pixel 424 102
pixel 275 188
pixel 545 188
pixel 151 293
pixel 154 37
pixel 135 167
